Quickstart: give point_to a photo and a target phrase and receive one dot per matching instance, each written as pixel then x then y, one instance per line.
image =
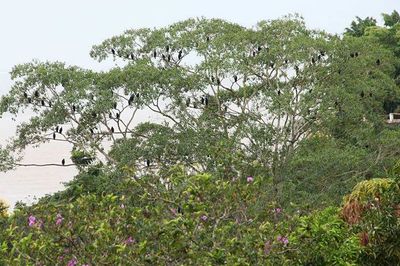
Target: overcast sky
pixel 66 30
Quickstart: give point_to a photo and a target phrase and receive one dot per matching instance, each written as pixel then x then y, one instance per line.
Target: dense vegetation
pixel 272 148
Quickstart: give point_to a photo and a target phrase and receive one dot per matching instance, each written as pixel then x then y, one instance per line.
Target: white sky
pixel 66 30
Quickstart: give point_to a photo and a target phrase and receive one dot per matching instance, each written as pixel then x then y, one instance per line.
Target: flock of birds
pixel 167 57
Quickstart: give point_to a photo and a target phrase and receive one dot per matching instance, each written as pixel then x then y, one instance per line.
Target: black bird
pixel 180 55
pixel 279 92
pixel 113 51
pixel 319 57
pixel 352 55
pixel 194 105
pixel 137 95
pixel 206 101
pixel 112 129
pixel 73 107
pixel 362 94
pixel 169 58
pixel 226 108
pixel 25 95
pixel 322 53
pixel 148 163
pixel 42 101
pixel 271 65
pixel 202 100
pixel 180 210
pixel 218 81
pixel 54 135
pixel 117 115
pixel 235 78
pixel 29 100
pixel 212 79
pixel 115 105
pixel 36 94
pixel 91 131
pixel 254 53
pixel 356 54
pixel 63 161
pixel 286 61
pixel 60 130
pixel 296 68
pixel 49 104
pixel 132 56
pixel 94 115
pixel 110 115
pixel 163 56
pixel 339 71
pixel 208 38
pixel 57 128
pixel 187 102
pixel 167 48
pixel 378 62
pixel 131 99
pixel 370 94
pixel 155 54
pixel 259 48
pixel 313 60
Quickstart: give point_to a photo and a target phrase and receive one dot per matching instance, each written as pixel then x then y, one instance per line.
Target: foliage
pixel 189 220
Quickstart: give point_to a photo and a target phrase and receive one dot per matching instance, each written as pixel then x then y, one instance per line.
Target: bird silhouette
pixel 117 115
pixel 36 94
pixel 42 101
pixel 137 95
pixel 187 102
pixel 313 60
pixel 279 92
pixel 115 105
pixel 60 130
pixel 352 55
pixel 155 54
pixel 57 128
pixel 362 94
pixel 49 103
pixel 91 131
pixel 167 48
pixel 218 81
pixel 73 108
pixel 54 135
pixel 132 56
pixel 131 99
pixel 94 115
pixel 113 51
pixel 235 78
pixel 202 100
pixel 29 100
pixel 112 129
pixel 206 101
pixel 169 58
pixel 25 95
pixel 356 54
pixel 378 62
pixel 180 55
pixel 148 163
pixel 208 38
pixel 63 161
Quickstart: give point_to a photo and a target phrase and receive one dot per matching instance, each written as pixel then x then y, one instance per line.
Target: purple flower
pixel 250 179
pixel 59 219
pixel 284 240
pixel 129 240
pixel 204 218
pixel 31 220
pixel 267 247
pixel 72 262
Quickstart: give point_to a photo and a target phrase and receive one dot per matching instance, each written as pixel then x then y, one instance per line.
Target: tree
pixel 357 28
pixel 234 101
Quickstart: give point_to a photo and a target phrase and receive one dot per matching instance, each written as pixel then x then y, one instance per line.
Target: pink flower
pixel 129 240
pixel 72 262
pixel 277 210
pixel 59 219
pixel 204 218
pixel 250 179
pixel 31 220
pixel 122 206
